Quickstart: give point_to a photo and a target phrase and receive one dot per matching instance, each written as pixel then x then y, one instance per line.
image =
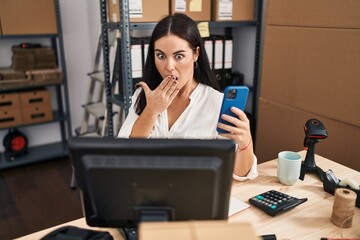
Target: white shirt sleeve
pixel 253 173
pixel 128 124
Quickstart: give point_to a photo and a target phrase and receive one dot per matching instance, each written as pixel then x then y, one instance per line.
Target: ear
pixel 196 53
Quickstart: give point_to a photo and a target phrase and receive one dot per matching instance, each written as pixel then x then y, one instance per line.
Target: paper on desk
pixel 236 206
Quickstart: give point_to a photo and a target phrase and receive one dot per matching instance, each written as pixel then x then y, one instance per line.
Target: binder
pixel 136 49
pixel 228 55
pixel 219 59
pixel 209 48
pixel 145 50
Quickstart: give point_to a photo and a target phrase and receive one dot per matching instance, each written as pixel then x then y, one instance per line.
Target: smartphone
pixel 234 96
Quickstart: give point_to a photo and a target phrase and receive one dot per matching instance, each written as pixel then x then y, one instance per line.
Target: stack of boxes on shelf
pixel 311 70
pixel 28 107
pixel 198 10
pixel 32 64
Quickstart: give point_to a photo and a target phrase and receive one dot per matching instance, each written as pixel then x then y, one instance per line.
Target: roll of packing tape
pixel 343 208
pixel 350 182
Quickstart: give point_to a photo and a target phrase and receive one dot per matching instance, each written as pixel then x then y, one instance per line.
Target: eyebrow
pixel 180 51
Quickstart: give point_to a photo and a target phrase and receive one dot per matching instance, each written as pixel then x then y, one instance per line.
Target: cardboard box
pixel 10 118
pixel 313 69
pixel 235 10
pixel 198 10
pixel 319 13
pixel 27 17
pixel 9 101
pixel 140 10
pixel 203 230
pixel 37 114
pixel 281 127
pixel 35 98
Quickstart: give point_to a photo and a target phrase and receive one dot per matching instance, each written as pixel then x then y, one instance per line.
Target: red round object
pixel 18 143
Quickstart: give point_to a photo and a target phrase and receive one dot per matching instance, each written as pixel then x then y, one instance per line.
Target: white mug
pixel 288 167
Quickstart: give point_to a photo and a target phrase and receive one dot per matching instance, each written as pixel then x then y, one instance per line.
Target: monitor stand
pixel 148 214
pixel 129 233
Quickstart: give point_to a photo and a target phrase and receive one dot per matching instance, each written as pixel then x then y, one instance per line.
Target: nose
pixel 170 65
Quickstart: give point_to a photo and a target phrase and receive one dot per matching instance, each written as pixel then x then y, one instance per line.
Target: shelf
pixel 57 117
pixel 60 108
pixel 30 87
pixel 151 25
pixel 36 154
pixel 29 36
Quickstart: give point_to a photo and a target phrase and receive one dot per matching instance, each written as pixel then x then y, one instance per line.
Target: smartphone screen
pixel 234 96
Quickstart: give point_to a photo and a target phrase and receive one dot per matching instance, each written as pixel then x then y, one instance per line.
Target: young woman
pixel 178 97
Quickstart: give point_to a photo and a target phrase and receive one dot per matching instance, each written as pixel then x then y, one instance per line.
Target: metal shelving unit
pixel 61 115
pixel 124 99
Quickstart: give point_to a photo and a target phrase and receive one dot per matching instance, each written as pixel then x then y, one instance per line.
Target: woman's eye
pixel 179 56
pixel 160 56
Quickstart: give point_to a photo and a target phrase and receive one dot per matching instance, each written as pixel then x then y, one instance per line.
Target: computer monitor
pixel 127 181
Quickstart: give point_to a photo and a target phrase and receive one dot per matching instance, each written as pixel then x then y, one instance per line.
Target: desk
pixel 310 220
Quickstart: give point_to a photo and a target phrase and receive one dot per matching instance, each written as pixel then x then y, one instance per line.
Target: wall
pixel 310 70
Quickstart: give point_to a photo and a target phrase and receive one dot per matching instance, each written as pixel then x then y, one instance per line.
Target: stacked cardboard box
pixel 311 70
pixel 26 107
pixel 140 10
pixel 236 10
pixel 10 110
pixel 36 106
pixel 27 17
pixel 33 58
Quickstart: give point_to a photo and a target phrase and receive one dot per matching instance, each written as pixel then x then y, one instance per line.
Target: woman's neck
pixel 187 90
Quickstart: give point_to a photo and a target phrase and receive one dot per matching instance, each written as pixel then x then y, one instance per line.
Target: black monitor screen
pixel 126 181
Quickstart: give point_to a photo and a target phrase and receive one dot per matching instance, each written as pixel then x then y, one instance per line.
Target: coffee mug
pixel 288 167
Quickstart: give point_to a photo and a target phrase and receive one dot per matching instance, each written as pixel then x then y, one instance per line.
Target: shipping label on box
pixel 198 10
pixel 139 10
pixel 235 10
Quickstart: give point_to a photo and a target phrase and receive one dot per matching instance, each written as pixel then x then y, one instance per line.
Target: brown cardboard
pixel 9 101
pixel 28 17
pixel 10 118
pixel 35 98
pixel 203 230
pixel 319 13
pixel 280 127
pixel 313 69
pixel 200 13
pixel 152 11
pixel 37 114
pixel 242 10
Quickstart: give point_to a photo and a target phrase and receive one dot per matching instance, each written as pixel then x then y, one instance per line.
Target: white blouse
pixel 198 121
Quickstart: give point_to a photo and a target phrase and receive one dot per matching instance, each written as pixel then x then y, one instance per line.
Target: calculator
pixel 274 202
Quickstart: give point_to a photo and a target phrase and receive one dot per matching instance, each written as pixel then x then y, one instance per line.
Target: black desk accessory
pixel 314 130
pixel 331 183
pixel 76 233
pixel 274 202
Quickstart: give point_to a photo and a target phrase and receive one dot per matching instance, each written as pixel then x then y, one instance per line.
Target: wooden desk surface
pixel 310 220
